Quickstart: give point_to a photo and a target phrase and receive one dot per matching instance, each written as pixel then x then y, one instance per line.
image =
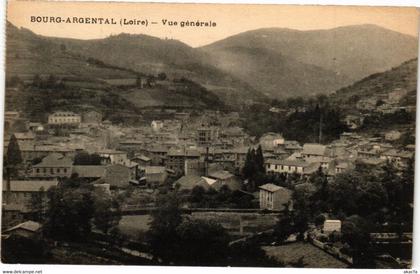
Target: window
pixel 65 170
pixel 37 170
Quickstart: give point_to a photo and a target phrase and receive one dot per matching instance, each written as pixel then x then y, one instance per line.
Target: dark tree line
pixel 13 158
pixel 363 199
pixel 176 239
pixel 302 125
pixel 74 206
pixel 254 169
pixel 84 158
pixel 224 198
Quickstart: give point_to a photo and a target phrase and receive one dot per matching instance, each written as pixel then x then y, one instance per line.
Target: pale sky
pixel 230 18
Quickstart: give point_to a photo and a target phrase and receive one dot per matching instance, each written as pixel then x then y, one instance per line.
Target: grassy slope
pixel 403 76
pixel 29 54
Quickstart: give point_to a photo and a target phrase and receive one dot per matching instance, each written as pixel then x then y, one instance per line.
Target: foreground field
pixel 313 257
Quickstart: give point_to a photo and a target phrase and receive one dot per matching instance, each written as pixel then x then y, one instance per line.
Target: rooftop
pixel 28 225
pixel 55 160
pixel 271 187
pixel 190 181
pixel 110 151
pixel 29 185
pixel 221 175
pixel 313 149
pixel 89 171
pixel 299 163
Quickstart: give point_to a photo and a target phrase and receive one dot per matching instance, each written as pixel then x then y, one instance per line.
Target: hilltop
pixel 291 62
pixel 151 55
pixel 78 81
pixel 402 77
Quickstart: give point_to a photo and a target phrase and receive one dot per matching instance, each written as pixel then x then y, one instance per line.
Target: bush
pixel 319 220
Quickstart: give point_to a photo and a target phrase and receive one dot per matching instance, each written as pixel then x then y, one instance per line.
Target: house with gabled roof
pixel 22 192
pixel 286 166
pixel 117 176
pixel 313 151
pixel 225 178
pixel 188 182
pixel 54 165
pixel 274 197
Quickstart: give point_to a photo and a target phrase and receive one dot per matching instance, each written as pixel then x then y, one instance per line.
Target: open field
pixel 239 224
pixel 135 225
pixel 313 257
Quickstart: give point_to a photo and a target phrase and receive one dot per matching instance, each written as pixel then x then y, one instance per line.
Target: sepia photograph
pixel 209 135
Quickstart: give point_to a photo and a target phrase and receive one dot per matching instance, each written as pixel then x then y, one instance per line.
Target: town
pixel 220 171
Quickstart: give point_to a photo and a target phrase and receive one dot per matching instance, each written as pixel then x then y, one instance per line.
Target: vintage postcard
pixel 209 135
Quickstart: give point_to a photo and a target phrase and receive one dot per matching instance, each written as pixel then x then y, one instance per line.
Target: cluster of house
pixel 195 152
pixel 140 156
pixel 334 158
pixel 289 157
pixel 384 103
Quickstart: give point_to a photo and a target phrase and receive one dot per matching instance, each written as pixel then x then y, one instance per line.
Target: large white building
pixel 64 118
pixel 286 166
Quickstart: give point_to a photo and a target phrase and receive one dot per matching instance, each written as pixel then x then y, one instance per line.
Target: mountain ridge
pixel 348 53
pixel 257 64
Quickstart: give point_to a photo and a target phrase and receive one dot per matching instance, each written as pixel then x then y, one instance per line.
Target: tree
pixel 162 236
pixel 14 155
pixel 259 160
pixel 291 222
pixel 21 250
pixel 84 158
pixel 51 81
pixel 254 170
pixel 358 192
pixel 13 158
pixel 249 166
pixel 162 76
pixel 197 195
pixel 69 213
pixel 107 212
pixel 37 204
pixel 37 81
pixel 201 243
pixel 355 232
pixel 283 228
pixel 300 224
pixel 319 200
pixel 319 220
pixel 250 253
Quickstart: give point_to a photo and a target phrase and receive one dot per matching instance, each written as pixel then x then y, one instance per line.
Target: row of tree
pixel 303 125
pixel 74 206
pixel 175 239
pixel 224 198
